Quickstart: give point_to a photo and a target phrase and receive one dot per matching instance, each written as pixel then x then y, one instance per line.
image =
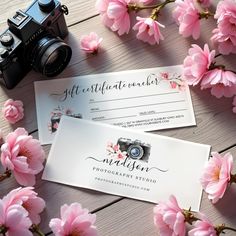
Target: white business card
pixel 126 162
pixel 148 99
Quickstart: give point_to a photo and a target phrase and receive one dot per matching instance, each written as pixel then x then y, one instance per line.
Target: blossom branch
pixel 35 229
pixel 3 230
pixel 189 216
pixel 5 175
pixel 205 14
pixel 156 11
pixel 220 67
pixel 232 178
pixel 215 66
pixel 218 55
pixel 220 229
pixel 170 219
pixel 135 7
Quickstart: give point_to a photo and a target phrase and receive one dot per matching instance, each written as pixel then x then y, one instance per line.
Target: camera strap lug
pixel 64 9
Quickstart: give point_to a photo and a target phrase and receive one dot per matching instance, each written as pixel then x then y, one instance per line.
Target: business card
pixel 126 162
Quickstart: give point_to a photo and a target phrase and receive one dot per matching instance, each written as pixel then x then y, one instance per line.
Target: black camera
pixel 34 40
pixel 135 149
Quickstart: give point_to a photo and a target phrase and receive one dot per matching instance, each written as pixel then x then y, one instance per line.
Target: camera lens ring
pixel 46 48
pixel 52 68
pixel 135 152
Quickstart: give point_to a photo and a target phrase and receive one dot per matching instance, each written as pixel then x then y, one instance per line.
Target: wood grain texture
pixel 215 120
pixel 135 218
pixel 126 52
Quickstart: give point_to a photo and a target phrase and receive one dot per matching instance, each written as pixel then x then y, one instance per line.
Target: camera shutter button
pixel 6 39
pixel 3 53
pixel 46 5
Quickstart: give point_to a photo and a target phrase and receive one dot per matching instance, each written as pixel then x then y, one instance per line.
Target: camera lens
pixel 51 56
pixel 135 152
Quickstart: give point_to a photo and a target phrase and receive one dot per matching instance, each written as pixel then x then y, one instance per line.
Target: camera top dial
pixel 6 39
pixel 46 5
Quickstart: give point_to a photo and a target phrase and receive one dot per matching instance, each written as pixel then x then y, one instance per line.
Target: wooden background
pixel 215 120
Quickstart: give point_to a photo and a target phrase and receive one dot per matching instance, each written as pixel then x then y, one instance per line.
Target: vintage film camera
pixel 34 41
pixel 135 149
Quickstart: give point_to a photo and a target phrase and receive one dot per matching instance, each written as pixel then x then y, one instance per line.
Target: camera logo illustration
pixel 133 149
pixel 56 117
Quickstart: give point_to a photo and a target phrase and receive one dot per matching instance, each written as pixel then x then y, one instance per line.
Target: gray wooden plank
pixel 79 10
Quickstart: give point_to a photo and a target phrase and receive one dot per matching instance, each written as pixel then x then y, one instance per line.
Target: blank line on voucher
pixel 114 118
pixel 117 99
pixel 145 105
pixel 159 112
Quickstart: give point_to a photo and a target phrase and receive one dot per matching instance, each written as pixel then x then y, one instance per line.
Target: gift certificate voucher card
pixel 146 100
pixel 126 162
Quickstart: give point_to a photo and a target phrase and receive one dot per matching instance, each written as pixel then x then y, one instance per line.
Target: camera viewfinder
pixel 18 18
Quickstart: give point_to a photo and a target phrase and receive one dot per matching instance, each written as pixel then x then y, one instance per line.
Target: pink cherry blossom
pixel 115 152
pixel 224 36
pixel 216 175
pixel 112 148
pixel 197 63
pixel 221 82
pixel 121 155
pixel 234 105
pixel 74 221
pixel 13 111
pixel 148 30
pixel 165 75
pixel 115 14
pixel 226 43
pixel 173 85
pixel 28 199
pixel 14 219
pixel 23 155
pixel 169 219
pixel 90 43
pixel 187 17
pixel 56 125
pixel 203 227
pixel 102 6
pixel 116 147
pixel 118 12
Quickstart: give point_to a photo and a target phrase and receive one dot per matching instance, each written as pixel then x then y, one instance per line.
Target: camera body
pixel 135 149
pixel 34 40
